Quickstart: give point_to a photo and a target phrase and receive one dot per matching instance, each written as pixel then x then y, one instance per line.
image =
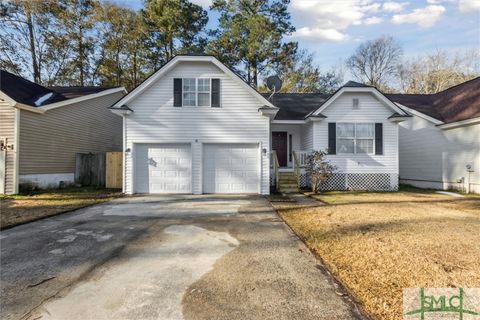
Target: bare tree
pixel 375 62
pixel 438 71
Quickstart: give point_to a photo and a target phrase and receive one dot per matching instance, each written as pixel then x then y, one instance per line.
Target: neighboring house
pixel 194 126
pixel 41 130
pixel 440 144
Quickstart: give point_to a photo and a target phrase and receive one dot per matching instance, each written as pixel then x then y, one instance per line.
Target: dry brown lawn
pixel 376 244
pixel 20 209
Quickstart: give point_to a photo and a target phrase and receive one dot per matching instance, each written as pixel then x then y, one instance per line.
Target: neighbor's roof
pixel 29 93
pixel 296 106
pixel 74 92
pixel 461 102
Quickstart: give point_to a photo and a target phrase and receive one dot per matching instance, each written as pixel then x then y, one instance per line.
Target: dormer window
pixel 196 92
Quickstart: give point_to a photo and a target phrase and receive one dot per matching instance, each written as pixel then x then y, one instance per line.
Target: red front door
pixel 279 144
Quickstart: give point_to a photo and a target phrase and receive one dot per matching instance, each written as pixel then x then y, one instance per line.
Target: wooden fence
pixel 114 169
pixel 99 169
pixel 90 169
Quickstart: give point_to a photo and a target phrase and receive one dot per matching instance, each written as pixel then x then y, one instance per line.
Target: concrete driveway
pixel 165 257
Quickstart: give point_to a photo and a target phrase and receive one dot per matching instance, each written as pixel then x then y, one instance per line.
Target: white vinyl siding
pixel 306 141
pixel 371 111
pixel 155 120
pixel 434 158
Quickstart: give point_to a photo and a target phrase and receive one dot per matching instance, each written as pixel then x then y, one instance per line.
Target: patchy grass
pixel 22 208
pixel 376 244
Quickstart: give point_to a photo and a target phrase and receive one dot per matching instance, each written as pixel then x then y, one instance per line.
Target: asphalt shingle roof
pixel 296 106
pixel 461 102
pixel 27 92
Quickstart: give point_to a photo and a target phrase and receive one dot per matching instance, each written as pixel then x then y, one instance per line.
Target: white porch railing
pixel 299 162
pixel 275 164
pixel 301 158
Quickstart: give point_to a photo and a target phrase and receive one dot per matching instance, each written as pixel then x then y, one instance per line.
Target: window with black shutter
pixel 332 138
pixel 378 138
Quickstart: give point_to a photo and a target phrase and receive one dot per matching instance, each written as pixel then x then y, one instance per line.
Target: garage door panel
pixel 162 168
pixel 231 168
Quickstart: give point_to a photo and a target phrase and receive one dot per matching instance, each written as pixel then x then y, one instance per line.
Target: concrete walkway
pixel 165 257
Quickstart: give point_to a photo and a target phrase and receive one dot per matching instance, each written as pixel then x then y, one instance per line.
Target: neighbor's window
pixel 196 92
pixel 355 137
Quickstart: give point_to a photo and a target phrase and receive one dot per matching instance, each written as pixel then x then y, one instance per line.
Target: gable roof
pixel 33 95
pixel 190 57
pixel 352 86
pixel 296 106
pixel 458 103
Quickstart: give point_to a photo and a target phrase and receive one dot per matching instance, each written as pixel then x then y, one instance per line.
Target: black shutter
pixel 216 93
pixel 177 92
pixel 332 138
pixel 378 138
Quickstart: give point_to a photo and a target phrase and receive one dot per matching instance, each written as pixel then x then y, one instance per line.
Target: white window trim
pixel 355 138
pixel 197 92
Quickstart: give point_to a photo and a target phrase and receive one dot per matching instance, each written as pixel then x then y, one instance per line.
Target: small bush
pixel 318 169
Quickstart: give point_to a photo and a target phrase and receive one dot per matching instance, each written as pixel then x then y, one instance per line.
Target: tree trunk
pixel 36 71
pixel 134 68
pixel 80 56
pixel 255 75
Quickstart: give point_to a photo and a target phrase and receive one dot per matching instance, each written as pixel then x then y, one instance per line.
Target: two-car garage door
pixel 167 168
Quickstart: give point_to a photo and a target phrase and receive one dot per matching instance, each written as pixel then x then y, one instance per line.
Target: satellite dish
pixel 274 83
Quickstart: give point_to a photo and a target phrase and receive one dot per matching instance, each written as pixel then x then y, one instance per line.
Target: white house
pixel 440 144
pixel 194 126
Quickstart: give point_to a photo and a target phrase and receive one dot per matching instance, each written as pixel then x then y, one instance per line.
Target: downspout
pixel 124 152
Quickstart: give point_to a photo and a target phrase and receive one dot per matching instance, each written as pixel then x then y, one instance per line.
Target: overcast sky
pixel 333 28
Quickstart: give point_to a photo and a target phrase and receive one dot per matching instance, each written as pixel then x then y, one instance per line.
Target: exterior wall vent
pixel 356 103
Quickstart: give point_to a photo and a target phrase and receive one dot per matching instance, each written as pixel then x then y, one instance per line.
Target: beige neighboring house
pixel 41 130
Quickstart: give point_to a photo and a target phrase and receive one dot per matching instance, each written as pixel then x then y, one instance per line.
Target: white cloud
pixel 392 6
pixel 424 17
pixel 467 6
pixel 320 34
pixel 203 3
pixel 373 20
pixel 327 19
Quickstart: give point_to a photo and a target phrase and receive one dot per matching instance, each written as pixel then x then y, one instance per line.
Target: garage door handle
pixel 152 162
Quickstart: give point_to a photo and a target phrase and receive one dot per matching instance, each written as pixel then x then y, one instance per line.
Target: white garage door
pixel 231 168
pixel 163 168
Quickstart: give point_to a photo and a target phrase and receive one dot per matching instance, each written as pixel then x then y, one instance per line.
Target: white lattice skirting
pixel 356 181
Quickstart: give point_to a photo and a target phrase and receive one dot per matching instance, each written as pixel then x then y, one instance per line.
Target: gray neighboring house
pixel 41 130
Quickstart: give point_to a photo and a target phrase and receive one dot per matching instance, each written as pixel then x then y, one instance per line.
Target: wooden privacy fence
pixel 99 169
pixel 114 169
pixel 90 169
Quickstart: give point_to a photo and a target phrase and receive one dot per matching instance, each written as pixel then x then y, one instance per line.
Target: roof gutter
pixel 460 123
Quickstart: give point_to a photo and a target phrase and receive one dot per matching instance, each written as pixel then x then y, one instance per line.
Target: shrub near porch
pixel 376 244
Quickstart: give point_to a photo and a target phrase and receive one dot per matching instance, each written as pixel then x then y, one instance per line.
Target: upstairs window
pixel 196 92
pixel 189 92
pixel 203 92
pixel 355 138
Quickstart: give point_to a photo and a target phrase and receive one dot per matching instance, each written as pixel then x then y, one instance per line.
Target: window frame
pixel 355 138
pixel 197 92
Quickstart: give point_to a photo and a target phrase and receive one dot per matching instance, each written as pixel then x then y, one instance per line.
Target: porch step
pixel 287 182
